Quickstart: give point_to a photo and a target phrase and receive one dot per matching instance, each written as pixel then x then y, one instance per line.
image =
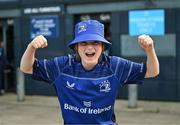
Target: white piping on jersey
pixel 46 68
pixel 117 66
pixel 56 62
pixel 87 78
pixel 69 59
pixel 141 70
pixel 129 72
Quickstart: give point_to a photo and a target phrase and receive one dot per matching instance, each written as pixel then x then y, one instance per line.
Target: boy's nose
pixel 90 45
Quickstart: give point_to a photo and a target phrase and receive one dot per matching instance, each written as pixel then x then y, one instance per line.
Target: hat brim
pixel 89 37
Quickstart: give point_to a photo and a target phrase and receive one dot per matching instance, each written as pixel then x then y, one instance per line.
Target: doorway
pixel 7 37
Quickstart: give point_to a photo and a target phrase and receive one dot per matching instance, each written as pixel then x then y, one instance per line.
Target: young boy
pixel 87 82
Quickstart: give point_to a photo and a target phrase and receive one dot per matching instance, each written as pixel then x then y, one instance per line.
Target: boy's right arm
pixel 28 57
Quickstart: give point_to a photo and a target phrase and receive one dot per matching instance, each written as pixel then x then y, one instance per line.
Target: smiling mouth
pixel 90 54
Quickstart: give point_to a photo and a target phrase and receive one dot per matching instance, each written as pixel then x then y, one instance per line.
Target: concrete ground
pixel 44 110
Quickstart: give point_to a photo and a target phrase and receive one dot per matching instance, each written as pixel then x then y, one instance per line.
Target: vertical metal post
pixel 5 53
pixel 20 85
pixel 132 96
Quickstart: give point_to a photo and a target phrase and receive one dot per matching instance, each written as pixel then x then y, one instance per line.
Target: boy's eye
pixel 89 43
pixel 83 43
pixel 96 43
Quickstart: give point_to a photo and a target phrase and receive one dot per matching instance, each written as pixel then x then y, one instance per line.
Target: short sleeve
pixel 47 70
pixel 128 72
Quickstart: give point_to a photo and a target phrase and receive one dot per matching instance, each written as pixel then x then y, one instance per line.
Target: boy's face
pixel 89 52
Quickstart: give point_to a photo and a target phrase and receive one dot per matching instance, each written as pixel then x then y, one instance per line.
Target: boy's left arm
pixel 152 65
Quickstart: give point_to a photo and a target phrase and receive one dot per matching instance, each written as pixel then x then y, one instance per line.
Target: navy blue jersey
pixel 88 96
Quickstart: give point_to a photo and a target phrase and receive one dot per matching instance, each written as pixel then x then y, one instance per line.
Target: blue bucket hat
pixel 89 30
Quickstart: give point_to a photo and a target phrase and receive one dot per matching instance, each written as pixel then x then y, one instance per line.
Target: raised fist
pixel 146 42
pixel 39 42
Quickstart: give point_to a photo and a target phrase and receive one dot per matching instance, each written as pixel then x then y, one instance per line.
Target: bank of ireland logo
pixel 105 86
pixel 82 28
pixel 87 103
pixel 70 85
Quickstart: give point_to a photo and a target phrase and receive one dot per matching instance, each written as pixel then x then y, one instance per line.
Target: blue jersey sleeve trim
pixel 129 72
pixel 45 67
pixel 48 70
pixel 116 69
pixel 56 63
pixel 126 71
pixel 35 75
pixel 140 77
